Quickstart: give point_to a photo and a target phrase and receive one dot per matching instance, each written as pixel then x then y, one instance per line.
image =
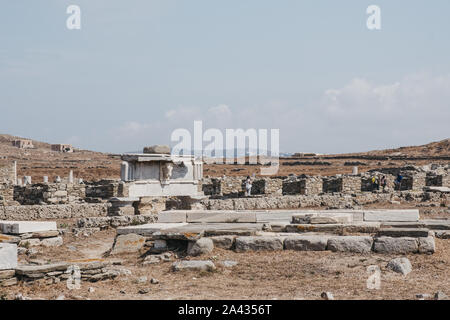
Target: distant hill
pixel 439 148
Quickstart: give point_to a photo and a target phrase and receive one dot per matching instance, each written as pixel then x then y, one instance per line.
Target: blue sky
pixel 137 70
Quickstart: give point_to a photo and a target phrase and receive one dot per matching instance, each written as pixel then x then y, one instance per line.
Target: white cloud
pixel 357 116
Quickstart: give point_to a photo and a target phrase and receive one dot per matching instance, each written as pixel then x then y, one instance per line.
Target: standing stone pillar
pixel 15 172
pixel 124 171
pixel 19 182
pixel 71 176
pixel 355 170
pixel 45 179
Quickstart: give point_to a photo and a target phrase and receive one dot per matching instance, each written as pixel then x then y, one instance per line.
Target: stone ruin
pixel 62 148
pixel 23 144
pixel 163 204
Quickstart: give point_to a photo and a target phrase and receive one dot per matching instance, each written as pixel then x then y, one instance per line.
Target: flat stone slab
pixel 357 244
pixel 31 270
pixel 323 218
pixel 404 215
pixel 20 227
pixel 219 217
pixel 9 239
pixel 431 224
pixel 437 189
pixel 306 243
pixel 403 232
pixel 8 256
pixel 196 265
pixel 286 215
pixel 259 243
pixel 172 216
pixel 148 229
pixel 128 243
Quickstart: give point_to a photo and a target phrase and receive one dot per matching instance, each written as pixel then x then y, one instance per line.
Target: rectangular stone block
pixel 8 256
pixel 172 216
pixel 357 244
pixel 220 217
pixel 148 229
pixel 403 232
pixel 306 243
pixel 396 245
pixel 224 242
pixel 258 243
pixel 20 227
pixel 406 215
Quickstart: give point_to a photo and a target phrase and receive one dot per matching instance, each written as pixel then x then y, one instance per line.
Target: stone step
pixel 322 218
pixel 207 216
pixel 404 232
pixel 428 224
pixel 404 215
pixel 359 227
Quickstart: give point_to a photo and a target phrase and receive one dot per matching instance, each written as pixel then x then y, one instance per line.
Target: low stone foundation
pixel 42 212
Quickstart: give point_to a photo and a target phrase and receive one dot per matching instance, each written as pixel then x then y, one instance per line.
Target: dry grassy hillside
pixel 90 165
pixel 41 161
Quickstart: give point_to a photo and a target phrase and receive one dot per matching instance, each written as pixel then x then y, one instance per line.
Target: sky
pixel 139 69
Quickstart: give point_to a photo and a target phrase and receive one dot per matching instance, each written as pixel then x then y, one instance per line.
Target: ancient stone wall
pixel 267 186
pixel 351 184
pixel 104 189
pixel 291 187
pixel 63 211
pixel 332 184
pixel 311 185
pixel 49 193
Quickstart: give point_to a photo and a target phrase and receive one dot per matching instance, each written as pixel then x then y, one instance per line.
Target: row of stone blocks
pixel 354 244
pixel 92 271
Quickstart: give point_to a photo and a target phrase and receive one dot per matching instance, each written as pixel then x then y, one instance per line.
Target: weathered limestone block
pixel 396 245
pixel 128 243
pixel 196 265
pixel 400 265
pixel 323 218
pixel 223 242
pixel 26 243
pixel 358 244
pixel 199 247
pixel 157 149
pixel 149 229
pixel 326 228
pixel 38 271
pixel 427 245
pixel 8 256
pixel 150 205
pixel 258 243
pixel 52 242
pixel 306 243
pixel 172 216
